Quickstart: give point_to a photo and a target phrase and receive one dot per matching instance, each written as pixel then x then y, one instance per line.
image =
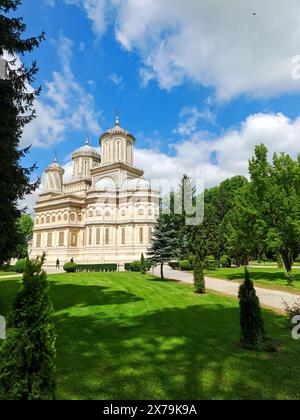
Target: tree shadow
pixel 271 277
pixel 70 295
pixel 173 353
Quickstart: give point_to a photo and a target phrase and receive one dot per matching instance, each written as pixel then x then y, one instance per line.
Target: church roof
pixel 54 165
pixel 86 150
pixel 117 130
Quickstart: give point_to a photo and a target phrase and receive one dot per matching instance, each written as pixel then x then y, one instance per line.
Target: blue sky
pixel 199 83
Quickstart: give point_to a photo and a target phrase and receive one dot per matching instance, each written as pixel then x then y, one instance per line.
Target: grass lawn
pixel 128 336
pixel 7 273
pixel 272 278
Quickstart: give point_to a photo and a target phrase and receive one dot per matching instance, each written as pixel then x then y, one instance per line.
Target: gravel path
pixel 270 298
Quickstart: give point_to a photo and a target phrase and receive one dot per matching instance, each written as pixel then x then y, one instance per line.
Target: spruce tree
pixel 165 246
pixel 199 280
pixel 252 326
pixel 27 362
pixel 16 110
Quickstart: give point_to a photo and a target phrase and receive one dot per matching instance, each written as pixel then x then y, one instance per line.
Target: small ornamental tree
pixel 27 362
pixel 252 326
pixel 143 265
pixel 199 280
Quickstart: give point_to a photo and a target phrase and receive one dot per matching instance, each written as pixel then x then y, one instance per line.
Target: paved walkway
pixel 270 298
pixel 11 276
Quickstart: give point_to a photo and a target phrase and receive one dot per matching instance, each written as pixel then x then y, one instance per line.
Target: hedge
pixel 70 267
pixel 174 265
pixel 20 265
pixel 210 263
pixel 136 266
pixel 8 268
pixel 89 268
pixel 225 261
pixel 185 265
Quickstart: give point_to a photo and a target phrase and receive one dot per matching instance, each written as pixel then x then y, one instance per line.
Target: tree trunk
pixel 162 271
pixel 287 257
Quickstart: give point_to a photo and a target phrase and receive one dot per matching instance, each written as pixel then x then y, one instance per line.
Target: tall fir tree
pixel 165 245
pixel 252 325
pixel 143 265
pixel 16 110
pixel 27 362
pixel 199 280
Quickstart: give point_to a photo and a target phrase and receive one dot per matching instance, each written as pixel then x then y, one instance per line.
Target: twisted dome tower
pixel 54 177
pixel 84 159
pixel 117 145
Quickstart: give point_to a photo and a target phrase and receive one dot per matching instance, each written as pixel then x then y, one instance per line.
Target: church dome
pixel 54 166
pixel 86 150
pixel 117 130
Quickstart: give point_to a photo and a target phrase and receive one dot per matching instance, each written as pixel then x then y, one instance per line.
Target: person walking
pixel 57 263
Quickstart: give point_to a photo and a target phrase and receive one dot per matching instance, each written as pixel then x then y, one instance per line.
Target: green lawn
pixel 128 336
pixel 7 273
pixel 273 278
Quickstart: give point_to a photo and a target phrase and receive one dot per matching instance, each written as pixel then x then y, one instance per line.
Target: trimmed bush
pixel 20 265
pixel 70 267
pixel 174 265
pixel 225 261
pixel 136 266
pixel 199 280
pixel 143 265
pixel 185 265
pixel 96 268
pixel 210 263
pixel 7 268
pixel 27 356
pixel 252 326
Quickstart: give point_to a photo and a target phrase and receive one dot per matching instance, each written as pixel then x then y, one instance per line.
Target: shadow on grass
pixel 189 353
pixel 69 295
pixel 261 275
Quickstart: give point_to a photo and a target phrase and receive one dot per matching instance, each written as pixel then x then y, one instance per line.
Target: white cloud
pixel 215 43
pixel 64 105
pixel 116 79
pixel 190 117
pixel 217 159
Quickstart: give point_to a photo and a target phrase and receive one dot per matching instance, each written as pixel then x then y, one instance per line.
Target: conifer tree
pixel 16 110
pixel 165 244
pixel 252 325
pixel 199 280
pixel 143 265
pixel 27 358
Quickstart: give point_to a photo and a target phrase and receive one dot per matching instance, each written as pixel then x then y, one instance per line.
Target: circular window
pixel 65 217
pixel 53 219
pixel 73 217
pixel 80 218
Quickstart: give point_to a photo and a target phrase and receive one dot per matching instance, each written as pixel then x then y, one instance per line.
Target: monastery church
pixel 105 214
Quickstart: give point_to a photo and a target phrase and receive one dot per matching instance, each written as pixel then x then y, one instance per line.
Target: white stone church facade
pixel 105 214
